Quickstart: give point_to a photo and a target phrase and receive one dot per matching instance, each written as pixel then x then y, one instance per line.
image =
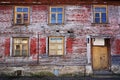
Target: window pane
pixel 53 17
pixel 25 15
pixel 97 20
pixel 97 15
pixel 24 52
pixel 59 16
pixel 19 21
pixel 24 41
pixel 103 10
pixel 103 15
pixel 53 9
pixel 26 21
pixel 25 9
pixel 59 9
pixel 19 16
pixel 17 47
pixel 53 21
pixel 97 9
pixel 19 9
pixel 103 20
pixel 17 41
pixel 17 52
pixel 60 21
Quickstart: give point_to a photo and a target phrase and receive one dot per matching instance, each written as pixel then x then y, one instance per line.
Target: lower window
pixel 56 46
pixel 20 47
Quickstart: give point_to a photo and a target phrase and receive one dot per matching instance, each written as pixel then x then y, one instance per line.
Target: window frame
pixel 56 44
pixel 56 13
pixel 22 13
pixel 94 13
pixel 21 47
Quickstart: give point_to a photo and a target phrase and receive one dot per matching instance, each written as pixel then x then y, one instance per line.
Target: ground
pixel 93 77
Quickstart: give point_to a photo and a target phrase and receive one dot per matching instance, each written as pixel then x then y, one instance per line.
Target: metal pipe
pixel 38 51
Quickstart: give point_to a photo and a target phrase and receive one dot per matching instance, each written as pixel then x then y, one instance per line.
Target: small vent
pixel 18 73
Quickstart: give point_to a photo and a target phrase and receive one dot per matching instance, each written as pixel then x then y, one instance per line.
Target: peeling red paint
pixel 39 14
pixel 117 43
pixel 33 48
pixel 42 45
pixel 81 15
pixel 69 45
pixel 5 13
pixel 7 47
pixel 39 8
pixel 80 42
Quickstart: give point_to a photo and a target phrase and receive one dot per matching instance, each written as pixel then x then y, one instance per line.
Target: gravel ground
pixel 60 78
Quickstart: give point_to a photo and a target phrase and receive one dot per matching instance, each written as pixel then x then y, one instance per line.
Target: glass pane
pixel 19 9
pixel 53 16
pixel 97 20
pixel 19 16
pixel 103 15
pixel 59 9
pixel 19 21
pixel 59 40
pixel 17 41
pixel 59 52
pixel 53 21
pixel 17 52
pixel 59 16
pixel 103 20
pixel 103 10
pixel 25 21
pixel 17 47
pixel 60 47
pixel 52 52
pixel 52 40
pixel 60 21
pixel 25 15
pixel 52 46
pixel 97 15
pixel 25 9
pixel 24 52
pixel 24 47
pixel 53 9
pixel 97 9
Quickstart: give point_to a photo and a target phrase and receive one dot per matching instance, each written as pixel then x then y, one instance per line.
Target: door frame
pixel 107 43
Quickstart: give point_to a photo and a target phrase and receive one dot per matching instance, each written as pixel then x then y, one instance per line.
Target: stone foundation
pixel 115 69
pixel 27 70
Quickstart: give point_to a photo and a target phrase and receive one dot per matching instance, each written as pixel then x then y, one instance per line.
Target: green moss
pixel 43 74
pixel 6 74
pixel 72 75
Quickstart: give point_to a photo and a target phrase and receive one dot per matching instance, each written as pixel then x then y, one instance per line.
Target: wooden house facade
pixel 69 36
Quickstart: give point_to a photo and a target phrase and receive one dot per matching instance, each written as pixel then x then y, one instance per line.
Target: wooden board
pixel 100 57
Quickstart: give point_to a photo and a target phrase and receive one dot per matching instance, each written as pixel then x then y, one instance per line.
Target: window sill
pixel 51 24
pixel 20 56
pixel 21 24
pixel 56 55
pixel 101 24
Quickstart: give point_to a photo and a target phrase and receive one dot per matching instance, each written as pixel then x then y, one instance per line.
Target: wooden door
pixel 100 57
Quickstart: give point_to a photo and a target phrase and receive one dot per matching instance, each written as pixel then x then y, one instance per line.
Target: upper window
pixel 100 14
pixel 56 15
pixel 21 15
